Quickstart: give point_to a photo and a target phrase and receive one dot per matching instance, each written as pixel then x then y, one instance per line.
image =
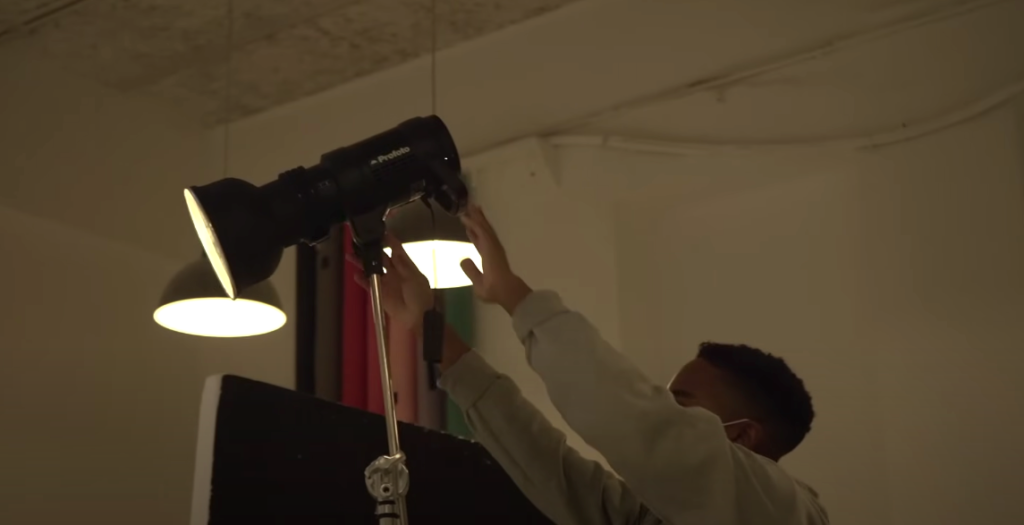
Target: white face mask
pixel 734 423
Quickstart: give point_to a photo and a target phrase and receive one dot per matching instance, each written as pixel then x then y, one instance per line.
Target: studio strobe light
pixel 244 230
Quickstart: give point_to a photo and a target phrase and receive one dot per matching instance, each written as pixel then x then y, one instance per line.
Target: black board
pixel 269 455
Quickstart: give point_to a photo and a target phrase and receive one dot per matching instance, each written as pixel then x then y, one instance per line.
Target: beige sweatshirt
pixel 676 464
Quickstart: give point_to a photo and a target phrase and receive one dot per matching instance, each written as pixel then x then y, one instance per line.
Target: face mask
pixel 734 423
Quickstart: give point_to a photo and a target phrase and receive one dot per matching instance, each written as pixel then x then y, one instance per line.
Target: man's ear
pixel 750 434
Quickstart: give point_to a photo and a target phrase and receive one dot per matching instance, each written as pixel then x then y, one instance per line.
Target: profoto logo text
pixel 390 156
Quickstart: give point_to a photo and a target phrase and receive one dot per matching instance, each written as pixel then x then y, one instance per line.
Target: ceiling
pixel 527 80
pixel 900 79
pixel 281 51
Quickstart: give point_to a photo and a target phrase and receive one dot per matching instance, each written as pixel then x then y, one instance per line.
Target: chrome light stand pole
pixel 387 478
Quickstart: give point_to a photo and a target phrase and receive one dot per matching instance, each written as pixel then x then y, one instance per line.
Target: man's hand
pixel 406 296
pixel 405 293
pixel 496 283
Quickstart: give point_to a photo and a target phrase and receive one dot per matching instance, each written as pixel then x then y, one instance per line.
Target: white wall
pixel 798 255
pixel 98 404
pixel 734 236
pixel 97 160
pixel 890 280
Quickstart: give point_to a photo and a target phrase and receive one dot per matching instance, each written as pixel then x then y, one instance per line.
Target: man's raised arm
pixel 565 486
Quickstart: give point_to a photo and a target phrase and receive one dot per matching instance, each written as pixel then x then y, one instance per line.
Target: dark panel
pixel 327 352
pixel 305 318
pixel 285 458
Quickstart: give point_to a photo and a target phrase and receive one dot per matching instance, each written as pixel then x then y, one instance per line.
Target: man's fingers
pixel 471 215
pixel 471 271
pixel 399 257
pixel 403 263
pixel 481 233
pixel 474 218
pixel 485 223
pixel 474 228
pixel 392 242
pixel 478 215
pixel 472 235
pixel 473 231
pixel 358 263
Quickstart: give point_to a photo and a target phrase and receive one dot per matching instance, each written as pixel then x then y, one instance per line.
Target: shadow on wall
pixel 99 405
pixel 90 158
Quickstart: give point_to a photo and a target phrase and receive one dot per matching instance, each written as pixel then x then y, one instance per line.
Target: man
pixel 702 452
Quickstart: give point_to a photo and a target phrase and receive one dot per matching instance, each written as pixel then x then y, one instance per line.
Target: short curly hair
pixel 776 395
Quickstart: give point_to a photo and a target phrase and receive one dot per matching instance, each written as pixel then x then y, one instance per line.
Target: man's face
pixel 700 384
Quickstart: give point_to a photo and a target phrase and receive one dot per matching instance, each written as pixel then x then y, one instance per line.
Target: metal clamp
pixel 387 479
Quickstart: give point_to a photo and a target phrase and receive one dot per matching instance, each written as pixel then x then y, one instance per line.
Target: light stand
pixel 245 228
pixel 387 478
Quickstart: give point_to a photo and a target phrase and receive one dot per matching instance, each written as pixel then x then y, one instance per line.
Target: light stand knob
pixel 387 479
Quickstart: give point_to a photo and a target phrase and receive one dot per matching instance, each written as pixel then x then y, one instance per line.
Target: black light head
pixel 244 228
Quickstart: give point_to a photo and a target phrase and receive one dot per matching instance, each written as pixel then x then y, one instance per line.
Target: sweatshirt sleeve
pixel 565 486
pixel 677 461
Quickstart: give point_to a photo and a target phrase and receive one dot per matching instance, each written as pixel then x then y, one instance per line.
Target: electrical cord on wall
pixel 906 132
pixel 702 86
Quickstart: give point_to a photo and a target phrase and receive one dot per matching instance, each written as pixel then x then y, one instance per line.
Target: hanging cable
pixel 433 57
pixel 230 39
pixel 702 86
pixel 906 132
pixel 690 88
pixel 433 319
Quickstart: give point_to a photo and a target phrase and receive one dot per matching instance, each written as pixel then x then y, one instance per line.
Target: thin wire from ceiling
pixel 433 57
pixel 229 40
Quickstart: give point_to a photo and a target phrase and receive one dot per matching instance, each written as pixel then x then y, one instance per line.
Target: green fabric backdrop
pixel 458 311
